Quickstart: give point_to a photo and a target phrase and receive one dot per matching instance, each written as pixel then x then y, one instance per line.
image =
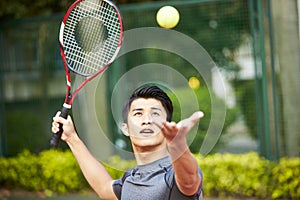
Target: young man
pixel 166 168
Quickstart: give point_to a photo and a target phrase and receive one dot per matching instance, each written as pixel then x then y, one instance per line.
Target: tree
pixel 20 8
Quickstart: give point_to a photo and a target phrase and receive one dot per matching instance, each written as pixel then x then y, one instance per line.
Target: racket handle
pixel 56 136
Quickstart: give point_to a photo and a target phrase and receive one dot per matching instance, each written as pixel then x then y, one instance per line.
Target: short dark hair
pixel 149 91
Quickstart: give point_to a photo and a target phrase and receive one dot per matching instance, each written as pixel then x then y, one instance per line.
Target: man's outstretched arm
pixel 185 165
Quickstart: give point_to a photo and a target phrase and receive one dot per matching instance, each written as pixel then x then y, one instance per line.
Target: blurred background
pixel 255 44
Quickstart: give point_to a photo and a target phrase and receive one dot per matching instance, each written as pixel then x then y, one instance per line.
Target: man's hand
pixel 176 132
pixel 68 126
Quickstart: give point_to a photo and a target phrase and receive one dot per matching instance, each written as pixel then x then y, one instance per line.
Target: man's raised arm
pixel 185 165
pixel 92 169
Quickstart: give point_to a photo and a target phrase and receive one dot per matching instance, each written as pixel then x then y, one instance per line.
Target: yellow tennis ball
pixel 167 17
pixel 194 83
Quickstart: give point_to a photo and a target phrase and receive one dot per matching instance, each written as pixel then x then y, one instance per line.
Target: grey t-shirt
pixel 153 181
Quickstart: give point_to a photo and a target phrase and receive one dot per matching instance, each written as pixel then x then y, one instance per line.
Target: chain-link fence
pixel 33 85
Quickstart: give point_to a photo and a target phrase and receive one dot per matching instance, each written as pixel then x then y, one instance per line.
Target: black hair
pixel 149 91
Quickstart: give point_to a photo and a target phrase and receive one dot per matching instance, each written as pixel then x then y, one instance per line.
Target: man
pixel 166 168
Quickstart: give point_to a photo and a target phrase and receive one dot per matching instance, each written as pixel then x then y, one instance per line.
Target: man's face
pixel 145 118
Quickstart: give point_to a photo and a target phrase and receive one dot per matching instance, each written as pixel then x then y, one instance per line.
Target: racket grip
pixel 56 136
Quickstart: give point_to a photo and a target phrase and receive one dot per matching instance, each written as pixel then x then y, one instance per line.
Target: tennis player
pixel 166 168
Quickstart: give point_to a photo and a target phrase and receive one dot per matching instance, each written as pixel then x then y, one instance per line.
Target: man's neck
pixel 146 157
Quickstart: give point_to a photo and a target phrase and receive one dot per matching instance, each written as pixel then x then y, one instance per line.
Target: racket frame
pixel 69 95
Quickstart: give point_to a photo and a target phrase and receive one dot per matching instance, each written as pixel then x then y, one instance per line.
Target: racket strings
pixel 91 36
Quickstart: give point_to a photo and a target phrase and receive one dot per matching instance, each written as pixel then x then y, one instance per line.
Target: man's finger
pixel 196 116
pixel 192 119
pixel 57 114
pixel 59 119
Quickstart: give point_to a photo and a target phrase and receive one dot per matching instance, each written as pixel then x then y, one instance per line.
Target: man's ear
pixel 125 129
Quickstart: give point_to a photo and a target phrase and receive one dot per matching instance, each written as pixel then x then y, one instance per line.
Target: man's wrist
pixel 72 140
pixel 177 146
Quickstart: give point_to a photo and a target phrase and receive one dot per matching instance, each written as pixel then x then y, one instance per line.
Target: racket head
pixel 91 35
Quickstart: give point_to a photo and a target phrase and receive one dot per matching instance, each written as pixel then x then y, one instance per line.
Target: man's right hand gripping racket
pixel 90 38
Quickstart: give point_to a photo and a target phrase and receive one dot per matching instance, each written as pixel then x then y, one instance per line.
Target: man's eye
pixel 155 114
pixel 137 114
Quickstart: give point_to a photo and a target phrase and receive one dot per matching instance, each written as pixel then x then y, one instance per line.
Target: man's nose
pixel 147 119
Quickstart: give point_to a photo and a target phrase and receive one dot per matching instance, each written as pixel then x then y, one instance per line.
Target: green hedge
pixel 235 175
pixel 50 171
pixel 248 175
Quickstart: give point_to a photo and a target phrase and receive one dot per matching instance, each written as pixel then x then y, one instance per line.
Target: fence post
pixel 266 99
pixel 3 144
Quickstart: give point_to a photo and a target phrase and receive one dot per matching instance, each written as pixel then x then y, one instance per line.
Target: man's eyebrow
pixel 156 108
pixel 137 109
pixel 152 108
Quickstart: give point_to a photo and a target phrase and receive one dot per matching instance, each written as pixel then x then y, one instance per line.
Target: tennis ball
pixel 167 17
pixel 194 83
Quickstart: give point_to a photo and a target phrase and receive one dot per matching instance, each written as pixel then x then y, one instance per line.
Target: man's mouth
pixel 146 132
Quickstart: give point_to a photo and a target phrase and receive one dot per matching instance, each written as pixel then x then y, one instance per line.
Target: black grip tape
pixel 56 136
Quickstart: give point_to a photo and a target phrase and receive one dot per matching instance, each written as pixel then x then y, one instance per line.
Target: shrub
pixel 245 175
pixel 235 175
pixel 50 170
pixel 20 172
pixel 286 179
pixel 60 172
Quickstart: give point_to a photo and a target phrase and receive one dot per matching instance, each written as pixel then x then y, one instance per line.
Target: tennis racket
pixel 90 38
